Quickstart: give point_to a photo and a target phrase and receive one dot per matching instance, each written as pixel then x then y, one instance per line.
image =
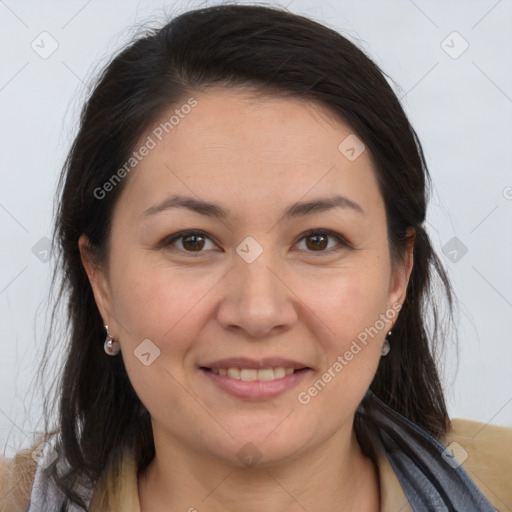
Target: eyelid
pixel 169 240
pixel 343 242
pixel 322 231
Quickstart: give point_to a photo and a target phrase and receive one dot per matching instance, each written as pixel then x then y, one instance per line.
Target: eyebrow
pixel 300 209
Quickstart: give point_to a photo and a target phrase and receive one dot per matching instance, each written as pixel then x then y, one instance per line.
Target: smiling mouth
pixel 253 374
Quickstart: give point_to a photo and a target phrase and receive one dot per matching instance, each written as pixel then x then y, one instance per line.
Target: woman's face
pixel 251 294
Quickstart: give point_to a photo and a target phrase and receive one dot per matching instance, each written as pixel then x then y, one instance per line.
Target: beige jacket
pixel 488 463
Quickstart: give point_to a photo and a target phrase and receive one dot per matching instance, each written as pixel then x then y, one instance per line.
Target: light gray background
pixel 460 105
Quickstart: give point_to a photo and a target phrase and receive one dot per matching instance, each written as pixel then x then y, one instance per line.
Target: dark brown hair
pixel 275 52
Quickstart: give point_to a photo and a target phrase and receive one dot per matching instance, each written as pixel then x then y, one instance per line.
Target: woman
pixel 248 275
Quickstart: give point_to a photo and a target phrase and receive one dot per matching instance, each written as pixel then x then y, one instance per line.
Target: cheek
pixel 351 302
pixel 350 348
pixel 154 302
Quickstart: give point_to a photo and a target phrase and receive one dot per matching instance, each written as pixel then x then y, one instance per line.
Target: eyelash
pixel 312 232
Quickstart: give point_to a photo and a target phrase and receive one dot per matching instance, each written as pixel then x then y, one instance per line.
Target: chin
pixel 267 444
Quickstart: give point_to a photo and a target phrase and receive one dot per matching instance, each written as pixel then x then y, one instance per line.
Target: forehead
pixel 243 147
pixel 286 128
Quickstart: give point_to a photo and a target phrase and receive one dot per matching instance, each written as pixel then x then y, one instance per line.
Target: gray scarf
pixel 428 481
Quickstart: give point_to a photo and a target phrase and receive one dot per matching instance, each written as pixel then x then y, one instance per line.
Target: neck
pixel 336 477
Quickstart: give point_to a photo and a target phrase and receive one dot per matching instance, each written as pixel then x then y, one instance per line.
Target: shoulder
pixel 16 480
pixel 485 453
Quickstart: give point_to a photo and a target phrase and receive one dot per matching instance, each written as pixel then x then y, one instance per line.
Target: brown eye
pixel 193 242
pixel 317 241
pixel 189 242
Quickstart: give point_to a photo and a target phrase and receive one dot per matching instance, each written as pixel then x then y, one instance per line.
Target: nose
pixel 256 299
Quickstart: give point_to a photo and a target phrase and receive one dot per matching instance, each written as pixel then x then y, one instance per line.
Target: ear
pixel 99 282
pixel 401 274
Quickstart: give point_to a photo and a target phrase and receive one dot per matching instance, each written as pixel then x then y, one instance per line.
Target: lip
pixel 255 364
pixel 256 390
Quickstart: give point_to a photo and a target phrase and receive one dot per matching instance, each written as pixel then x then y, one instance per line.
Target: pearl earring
pixel 111 347
pixel 386 347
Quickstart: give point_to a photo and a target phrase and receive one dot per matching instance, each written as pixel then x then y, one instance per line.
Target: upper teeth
pixel 248 374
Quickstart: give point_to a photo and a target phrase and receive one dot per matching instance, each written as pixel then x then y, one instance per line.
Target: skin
pixel 254 156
